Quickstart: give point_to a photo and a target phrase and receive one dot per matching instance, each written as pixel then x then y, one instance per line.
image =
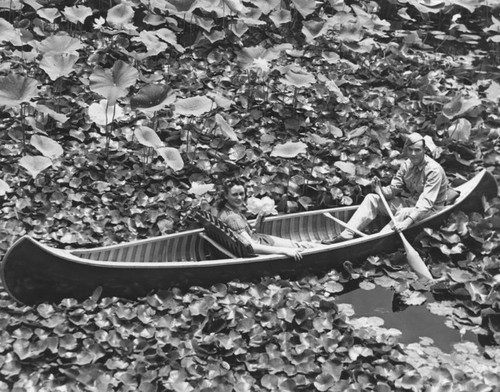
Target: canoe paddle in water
pixel 412 255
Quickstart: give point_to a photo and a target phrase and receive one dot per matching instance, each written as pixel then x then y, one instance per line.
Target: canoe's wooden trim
pixel 218 246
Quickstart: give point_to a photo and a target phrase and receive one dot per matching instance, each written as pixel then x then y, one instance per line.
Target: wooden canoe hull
pixel 32 272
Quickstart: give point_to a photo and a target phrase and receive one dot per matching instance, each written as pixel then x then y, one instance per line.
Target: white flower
pixel 265 205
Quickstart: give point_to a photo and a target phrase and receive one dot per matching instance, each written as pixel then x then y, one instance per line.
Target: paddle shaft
pixel 344 224
pixel 412 255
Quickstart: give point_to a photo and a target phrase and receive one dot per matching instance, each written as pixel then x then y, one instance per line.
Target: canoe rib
pixel 33 272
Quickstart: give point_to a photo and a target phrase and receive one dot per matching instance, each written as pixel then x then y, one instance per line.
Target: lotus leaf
pixel 50 14
pixel 120 15
pixel 289 149
pixel 172 157
pixel 9 34
pixel 58 64
pixel 59 44
pixel 104 112
pixel 16 89
pixel 77 13
pixel 225 128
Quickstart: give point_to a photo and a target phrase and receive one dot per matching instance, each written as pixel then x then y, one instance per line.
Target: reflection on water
pixel 413 321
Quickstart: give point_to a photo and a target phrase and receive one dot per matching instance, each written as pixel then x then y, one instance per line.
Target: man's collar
pixel 421 164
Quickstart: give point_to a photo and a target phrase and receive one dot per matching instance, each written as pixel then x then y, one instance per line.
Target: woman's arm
pixel 271 250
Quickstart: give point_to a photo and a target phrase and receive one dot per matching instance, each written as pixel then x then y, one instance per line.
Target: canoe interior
pixel 190 246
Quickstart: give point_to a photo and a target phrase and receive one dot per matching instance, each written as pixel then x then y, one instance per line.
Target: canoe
pixel 34 272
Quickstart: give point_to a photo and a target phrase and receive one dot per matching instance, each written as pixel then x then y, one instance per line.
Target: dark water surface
pixel 413 321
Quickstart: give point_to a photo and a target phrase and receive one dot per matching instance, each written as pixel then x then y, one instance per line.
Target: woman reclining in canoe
pixel 230 211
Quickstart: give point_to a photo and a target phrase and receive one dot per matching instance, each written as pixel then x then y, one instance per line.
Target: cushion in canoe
pixel 222 234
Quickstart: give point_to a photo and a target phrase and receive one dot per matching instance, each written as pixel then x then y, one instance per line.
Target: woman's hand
pixel 291 252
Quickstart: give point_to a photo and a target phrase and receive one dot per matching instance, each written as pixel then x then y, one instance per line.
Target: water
pixel 413 321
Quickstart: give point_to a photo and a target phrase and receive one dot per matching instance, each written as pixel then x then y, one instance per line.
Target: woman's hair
pixel 225 187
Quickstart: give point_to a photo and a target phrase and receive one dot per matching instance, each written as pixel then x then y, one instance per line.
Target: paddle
pixel 412 255
pixel 344 224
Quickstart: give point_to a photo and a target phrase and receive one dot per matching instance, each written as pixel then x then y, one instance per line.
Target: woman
pixel 230 211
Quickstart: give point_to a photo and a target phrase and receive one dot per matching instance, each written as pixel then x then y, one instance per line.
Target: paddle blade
pixel 415 260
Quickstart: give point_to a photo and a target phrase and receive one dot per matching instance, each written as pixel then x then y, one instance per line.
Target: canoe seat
pixel 219 232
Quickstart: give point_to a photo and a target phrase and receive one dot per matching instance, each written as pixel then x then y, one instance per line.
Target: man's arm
pixel 427 199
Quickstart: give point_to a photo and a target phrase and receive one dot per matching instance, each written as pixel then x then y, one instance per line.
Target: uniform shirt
pixel 425 183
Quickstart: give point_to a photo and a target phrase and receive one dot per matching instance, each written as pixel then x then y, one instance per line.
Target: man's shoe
pixel 334 240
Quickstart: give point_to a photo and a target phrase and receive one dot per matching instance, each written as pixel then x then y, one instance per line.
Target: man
pixel 418 189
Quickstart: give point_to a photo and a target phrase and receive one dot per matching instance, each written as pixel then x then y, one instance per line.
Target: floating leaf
pixel 346 167
pixel 305 7
pixel 58 64
pixel 172 157
pixel 193 106
pixel 289 149
pixel 357 351
pixel 298 77
pixel 16 89
pixel 119 15
pixel 77 13
pixel 113 83
pixel 48 147
pixel 4 188
pixel 147 137
pixel 200 189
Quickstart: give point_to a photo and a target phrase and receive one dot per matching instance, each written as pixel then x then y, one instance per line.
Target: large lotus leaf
pixel 16 89
pixel 58 64
pixel 289 149
pixel 120 15
pixel 460 105
pixel 298 77
pixel 4 188
pixel 172 157
pixel 152 97
pixel 225 128
pixel 113 83
pixel 460 130
pixel 194 106
pixel 50 14
pixel 152 42
pixel 148 137
pixel 48 147
pixel 59 44
pixel 305 7
pixel 77 13
pixel 35 164
pixel 103 114
pixel 8 33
